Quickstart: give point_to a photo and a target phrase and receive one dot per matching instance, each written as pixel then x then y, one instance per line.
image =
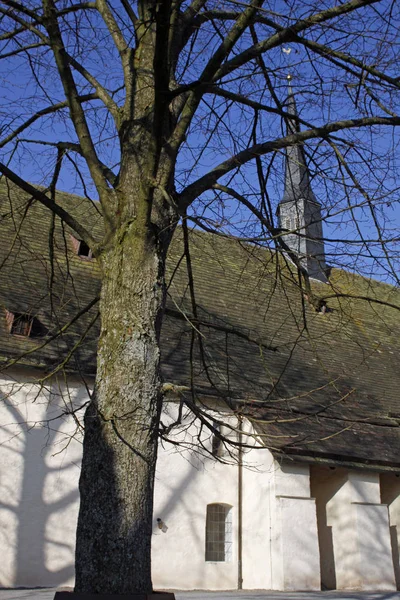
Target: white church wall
pixel 375 564
pixel 295 536
pixel 39 458
pixel 39 495
pixel 259 514
pixel 390 495
pixel 373 560
pixel 326 488
pixel 181 500
pixel 353 530
pixel 39 471
pixel 300 553
pixel 292 479
pixel 185 484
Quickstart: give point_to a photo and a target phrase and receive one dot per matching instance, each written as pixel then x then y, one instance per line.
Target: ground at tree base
pixel 48 594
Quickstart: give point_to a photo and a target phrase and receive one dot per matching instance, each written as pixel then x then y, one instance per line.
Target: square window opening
pixel 24 325
pixel 83 250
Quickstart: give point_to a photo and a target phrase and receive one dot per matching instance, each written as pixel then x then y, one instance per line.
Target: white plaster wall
pixel 181 498
pixel 390 495
pixel 364 487
pixel 185 484
pixel 300 553
pixel 295 551
pixel 280 540
pixel 371 523
pixel 258 519
pixel 375 568
pixel 341 517
pixel 292 479
pixel 359 529
pixel 39 471
pixel 326 487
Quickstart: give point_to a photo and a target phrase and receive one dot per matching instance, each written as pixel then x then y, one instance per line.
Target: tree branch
pixel 42 113
pixel 65 146
pixel 55 208
pixel 117 36
pixel 209 71
pixel 289 34
pixel 192 191
pixel 77 114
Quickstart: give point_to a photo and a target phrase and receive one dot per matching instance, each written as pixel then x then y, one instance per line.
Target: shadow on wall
pixel 39 470
pixel 185 484
pixel 390 494
pixel 180 510
pixel 325 483
pixel 353 530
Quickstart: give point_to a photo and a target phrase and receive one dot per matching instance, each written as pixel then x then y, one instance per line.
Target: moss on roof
pixel 315 384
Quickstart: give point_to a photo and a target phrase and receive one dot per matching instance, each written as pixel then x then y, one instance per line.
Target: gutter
pixel 240 505
pixel 337 462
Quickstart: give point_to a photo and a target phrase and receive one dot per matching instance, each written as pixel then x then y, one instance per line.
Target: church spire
pixel 299 211
pixel 297 177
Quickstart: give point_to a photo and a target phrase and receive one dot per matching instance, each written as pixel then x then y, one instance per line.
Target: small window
pixel 84 250
pixel 81 248
pixel 219 533
pixel 23 324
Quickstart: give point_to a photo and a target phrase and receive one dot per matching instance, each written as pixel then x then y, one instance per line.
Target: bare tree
pixel 169 111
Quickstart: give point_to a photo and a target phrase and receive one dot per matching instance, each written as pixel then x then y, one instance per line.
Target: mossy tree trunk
pixel 121 424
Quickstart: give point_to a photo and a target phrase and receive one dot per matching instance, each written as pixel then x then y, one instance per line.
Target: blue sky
pixel 221 129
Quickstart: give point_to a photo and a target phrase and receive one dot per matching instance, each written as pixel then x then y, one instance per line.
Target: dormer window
pixel 24 325
pixel 81 248
pixel 84 251
pixel 21 325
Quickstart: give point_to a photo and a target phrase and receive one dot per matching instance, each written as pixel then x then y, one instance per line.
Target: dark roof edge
pixel 48 366
pixel 336 461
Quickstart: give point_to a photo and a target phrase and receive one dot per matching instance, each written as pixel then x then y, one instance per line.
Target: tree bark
pixel 121 424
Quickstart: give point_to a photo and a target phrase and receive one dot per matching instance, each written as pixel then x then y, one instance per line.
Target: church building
pixel 296 484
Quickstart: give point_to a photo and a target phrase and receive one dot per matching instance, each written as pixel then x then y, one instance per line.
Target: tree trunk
pixel 121 424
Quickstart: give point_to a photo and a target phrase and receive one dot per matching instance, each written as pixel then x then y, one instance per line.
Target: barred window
pixel 24 325
pixel 219 533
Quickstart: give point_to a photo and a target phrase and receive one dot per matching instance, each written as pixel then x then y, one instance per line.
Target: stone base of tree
pixel 70 595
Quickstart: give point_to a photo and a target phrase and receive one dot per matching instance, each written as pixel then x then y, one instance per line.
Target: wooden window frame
pixel 12 318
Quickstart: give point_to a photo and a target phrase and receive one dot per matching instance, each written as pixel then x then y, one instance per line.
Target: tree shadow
pixel 38 474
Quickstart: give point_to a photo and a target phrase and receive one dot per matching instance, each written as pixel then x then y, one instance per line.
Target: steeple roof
pixel 297 177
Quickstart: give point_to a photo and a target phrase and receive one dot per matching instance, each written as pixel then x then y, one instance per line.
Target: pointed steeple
pixel 297 177
pixel 299 211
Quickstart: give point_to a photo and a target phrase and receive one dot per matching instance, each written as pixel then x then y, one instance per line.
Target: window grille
pixel 21 324
pixel 24 324
pixel 219 533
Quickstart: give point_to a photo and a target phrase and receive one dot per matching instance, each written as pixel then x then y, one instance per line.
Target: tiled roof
pixel 316 384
